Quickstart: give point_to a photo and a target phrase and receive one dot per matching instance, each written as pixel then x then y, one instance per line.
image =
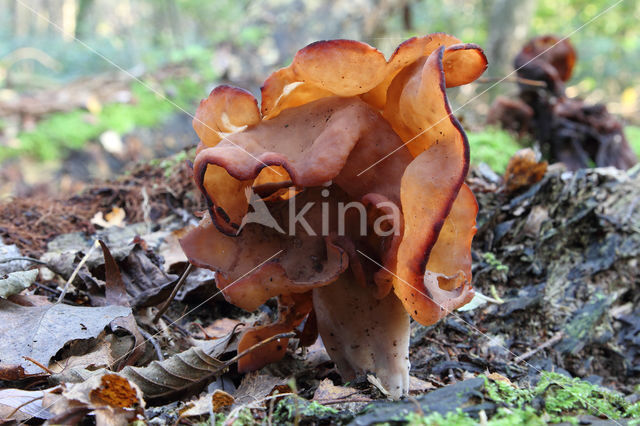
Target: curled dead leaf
pixel 524 169
pixel 111 397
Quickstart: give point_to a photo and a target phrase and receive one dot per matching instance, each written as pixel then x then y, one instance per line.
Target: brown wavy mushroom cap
pixel 277 178
pixel 547 58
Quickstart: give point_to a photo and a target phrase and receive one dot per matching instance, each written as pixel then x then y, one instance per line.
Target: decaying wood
pixel 570 245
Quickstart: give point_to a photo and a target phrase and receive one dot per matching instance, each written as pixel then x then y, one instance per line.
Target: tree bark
pixel 82 27
pixel 509 22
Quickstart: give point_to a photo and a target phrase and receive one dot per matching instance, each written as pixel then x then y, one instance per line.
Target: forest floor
pixel 554 335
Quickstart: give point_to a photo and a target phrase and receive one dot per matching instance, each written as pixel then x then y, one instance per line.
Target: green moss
pixel 565 397
pixel 503 417
pixel 169 164
pixel 494 147
pixel 491 259
pixel 292 407
pixel 564 400
pixel 633 136
pixel 56 135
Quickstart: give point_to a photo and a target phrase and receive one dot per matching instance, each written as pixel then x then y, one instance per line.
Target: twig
pixel 75 271
pixel 28 358
pixel 528 82
pixel 154 343
pixel 555 339
pixel 417 404
pixel 11 414
pixel 342 401
pixel 175 325
pixel 43 217
pixel 28 259
pixel 44 287
pixel 177 287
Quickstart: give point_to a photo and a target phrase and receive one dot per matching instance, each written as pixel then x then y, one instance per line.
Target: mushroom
pixel 343 196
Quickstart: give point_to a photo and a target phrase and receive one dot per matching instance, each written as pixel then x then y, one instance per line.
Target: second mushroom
pixel 343 196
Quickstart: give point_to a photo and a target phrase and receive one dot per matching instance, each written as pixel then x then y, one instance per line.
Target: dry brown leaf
pixel 170 249
pixel 182 373
pixel 255 387
pixel 497 377
pixel 21 405
pixel 220 328
pixel 29 300
pixel 208 403
pixel 40 332
pixel 114 400
pixel 116 294
pixel 221 399
pixel 327 391
pixel 101 357
pixel 116 217
pixel 418 386
pixel 524 169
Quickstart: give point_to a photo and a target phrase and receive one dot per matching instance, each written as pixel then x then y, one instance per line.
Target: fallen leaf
pixel 208 403
pixel 10 251
pixel 524 169
pixel 220 328
pixel 327 391
pixel 221 399
pixel 180 374
pixel 21 405
pixel 171 250
pixel 29 300
pixel 114 218
pixel 116 294
pixel 113 399
pixel 100 357
pixel 15 282
pixel 256 386
pixel 40 332
pixel 316 355
pixel 419 386
pixel 11 372
pixel 145 279
pixel 497 377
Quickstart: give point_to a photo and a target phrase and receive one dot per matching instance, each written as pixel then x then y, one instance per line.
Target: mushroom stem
pixel 363 334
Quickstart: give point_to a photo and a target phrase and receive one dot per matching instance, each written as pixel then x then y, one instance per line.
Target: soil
pixel 148 192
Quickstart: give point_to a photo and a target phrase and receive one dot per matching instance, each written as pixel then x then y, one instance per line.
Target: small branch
pixel 154 343
pixel 342 401
pixel 47 288
pixel 526 81
pixel 177 287
pixel 555 339
pixel 28 358
pixel 28 259
pixel 24 404
pixel 75 271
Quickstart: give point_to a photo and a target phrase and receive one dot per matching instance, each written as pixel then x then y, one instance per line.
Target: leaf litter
pixel 185 365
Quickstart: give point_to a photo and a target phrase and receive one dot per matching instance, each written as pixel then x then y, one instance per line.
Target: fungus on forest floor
pixel 296 210
pixel 568 129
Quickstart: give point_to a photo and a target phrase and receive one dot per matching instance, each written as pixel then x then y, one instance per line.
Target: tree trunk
pixel 509 22
pixel 82 26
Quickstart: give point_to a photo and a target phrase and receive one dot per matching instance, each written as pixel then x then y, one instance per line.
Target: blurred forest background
pixel 88 86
